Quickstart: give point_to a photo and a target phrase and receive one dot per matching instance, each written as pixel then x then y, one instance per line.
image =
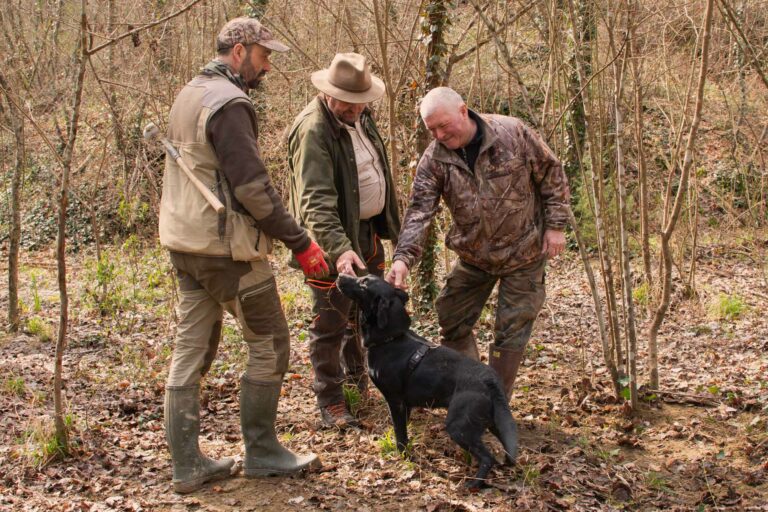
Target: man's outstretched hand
pixel 397 275
pixel 312 261
pixel 348 261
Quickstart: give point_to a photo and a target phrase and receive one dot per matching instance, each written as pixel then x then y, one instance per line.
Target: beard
pixel 250 75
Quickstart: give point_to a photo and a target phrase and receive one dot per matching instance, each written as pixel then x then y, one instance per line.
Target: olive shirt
pixel 325 196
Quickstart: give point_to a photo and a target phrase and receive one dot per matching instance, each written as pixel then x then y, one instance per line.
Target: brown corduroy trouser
pixel 334 342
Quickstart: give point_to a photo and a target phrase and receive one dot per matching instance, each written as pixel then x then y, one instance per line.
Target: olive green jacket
pixel 324 195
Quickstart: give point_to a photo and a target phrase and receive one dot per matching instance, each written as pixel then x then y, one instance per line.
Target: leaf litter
pixel 699 442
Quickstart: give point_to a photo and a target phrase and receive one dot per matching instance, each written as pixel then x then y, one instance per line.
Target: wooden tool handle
pixel 207 194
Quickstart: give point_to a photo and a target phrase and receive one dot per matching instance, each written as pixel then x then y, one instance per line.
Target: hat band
pixel 351 87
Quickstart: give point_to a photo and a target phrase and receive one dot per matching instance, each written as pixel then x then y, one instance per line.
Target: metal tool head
pixel 151 131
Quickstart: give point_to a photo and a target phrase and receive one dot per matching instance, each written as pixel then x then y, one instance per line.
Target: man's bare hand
pixel 397 275
pixel 554 243
pixel 347 262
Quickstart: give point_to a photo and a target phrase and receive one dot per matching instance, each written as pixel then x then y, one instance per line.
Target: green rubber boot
pixel 191 469
pixel 264 455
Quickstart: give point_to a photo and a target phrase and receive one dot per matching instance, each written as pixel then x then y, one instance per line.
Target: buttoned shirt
pixel 370 172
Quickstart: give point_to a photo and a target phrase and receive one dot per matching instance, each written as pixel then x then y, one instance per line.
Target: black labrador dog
pixel 411 373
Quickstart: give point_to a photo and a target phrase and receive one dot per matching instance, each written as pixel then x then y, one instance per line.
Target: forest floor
pixel 699 444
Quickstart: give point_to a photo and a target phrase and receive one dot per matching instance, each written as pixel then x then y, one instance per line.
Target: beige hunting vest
pixel 188 223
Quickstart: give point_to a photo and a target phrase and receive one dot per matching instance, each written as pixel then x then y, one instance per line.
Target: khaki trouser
pixel 461 301
pixel 334 342
pixel 247 290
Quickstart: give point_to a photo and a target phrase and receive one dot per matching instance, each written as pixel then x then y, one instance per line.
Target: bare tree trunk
pixel 61 255
pixel 111 95
pixel 382 25
pixel 672 219
pixel 17 122
pixel 434 26
pixel 607 352
pixel 575 124
pixel 634 58
pixel 693 200
pixel 613 355
pixel 626 275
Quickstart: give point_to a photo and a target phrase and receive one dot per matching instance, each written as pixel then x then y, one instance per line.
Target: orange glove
pixel 312 261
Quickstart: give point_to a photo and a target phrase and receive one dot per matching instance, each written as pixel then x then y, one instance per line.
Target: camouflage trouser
pixel 334 342
pixel 521 295
pixel 247 290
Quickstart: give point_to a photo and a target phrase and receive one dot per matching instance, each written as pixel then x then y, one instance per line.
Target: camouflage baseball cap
pixel 247 31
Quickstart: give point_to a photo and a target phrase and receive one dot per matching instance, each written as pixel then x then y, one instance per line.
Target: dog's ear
pixel 382 312
pixel 402 295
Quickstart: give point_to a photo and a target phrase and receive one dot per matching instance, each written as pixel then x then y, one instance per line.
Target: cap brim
pixel 376 91
pixel 274 45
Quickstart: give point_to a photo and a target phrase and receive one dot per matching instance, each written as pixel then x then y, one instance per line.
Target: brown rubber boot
pixel 505 362
pixel 466 346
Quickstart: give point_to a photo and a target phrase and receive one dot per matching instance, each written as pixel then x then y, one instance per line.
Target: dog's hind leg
pixel 504 428
pixel 465 423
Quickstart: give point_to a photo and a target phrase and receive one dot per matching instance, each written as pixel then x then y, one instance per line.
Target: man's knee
pixel 197 338
pixel 266 362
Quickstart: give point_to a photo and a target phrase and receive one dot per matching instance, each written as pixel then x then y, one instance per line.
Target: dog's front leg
pixel 400 412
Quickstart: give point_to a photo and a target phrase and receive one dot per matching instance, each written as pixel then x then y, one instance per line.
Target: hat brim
pixel 376 91
pixel 274 45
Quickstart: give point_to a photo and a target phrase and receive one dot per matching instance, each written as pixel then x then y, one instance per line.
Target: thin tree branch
pixel 578 94
pixel 142 28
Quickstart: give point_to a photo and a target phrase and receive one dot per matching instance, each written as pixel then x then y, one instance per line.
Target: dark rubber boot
pixel 466 346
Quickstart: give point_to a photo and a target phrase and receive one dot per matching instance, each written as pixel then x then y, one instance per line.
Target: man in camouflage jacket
pixel 508 196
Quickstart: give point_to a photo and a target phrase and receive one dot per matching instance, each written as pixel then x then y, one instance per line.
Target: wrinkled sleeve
pixel 550 179
pixel 425 197
pixel 232 136
pixel 316 190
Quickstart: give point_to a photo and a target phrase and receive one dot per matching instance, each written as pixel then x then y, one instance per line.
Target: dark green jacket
pixel 324 187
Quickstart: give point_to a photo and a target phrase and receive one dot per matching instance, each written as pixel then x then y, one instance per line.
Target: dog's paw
pixel 474 484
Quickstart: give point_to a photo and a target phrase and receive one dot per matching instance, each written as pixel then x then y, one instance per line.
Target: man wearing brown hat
pixel 342 191
pixel 221 259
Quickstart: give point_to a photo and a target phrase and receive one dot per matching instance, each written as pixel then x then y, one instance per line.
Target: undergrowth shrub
pixel 728 307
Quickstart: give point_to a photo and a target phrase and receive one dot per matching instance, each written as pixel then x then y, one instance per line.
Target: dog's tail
pixel 506 428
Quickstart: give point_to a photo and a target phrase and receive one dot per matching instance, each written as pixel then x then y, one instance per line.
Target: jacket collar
pixel 449 156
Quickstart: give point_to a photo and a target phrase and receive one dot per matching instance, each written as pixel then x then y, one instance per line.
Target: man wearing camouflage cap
pixel 221 259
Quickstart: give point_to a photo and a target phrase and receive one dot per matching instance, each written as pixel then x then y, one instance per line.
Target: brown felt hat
pixel 247 31
pixel 349 79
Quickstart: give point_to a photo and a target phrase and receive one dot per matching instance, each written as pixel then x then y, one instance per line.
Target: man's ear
pixel 402 295
pixel 382 312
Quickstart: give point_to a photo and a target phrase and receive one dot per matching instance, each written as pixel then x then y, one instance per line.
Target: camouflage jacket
pixel 500 211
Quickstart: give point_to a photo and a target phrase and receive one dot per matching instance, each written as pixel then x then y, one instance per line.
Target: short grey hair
pixel 439 98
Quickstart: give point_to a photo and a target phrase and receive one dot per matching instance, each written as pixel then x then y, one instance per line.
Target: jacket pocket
pixel 247 243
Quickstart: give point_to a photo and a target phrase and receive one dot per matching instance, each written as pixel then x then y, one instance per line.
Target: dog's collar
pixel 417 356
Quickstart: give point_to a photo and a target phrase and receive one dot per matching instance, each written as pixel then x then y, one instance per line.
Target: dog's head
pixel 382 307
